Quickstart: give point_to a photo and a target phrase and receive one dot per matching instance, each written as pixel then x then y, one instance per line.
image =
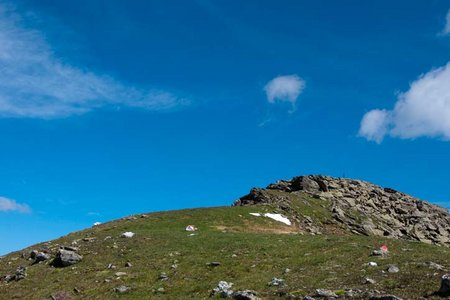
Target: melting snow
pixel 279 218
pixel 276 217
pixel 97 223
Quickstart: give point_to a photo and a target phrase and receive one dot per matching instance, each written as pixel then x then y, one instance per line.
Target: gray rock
pixel 276 282
pixel 377 253
pixel 65 258
pixel 213 264
pixel 41 256
pixel 325 293
pixel 433 265
pixel 122 289
pixel 245 295
pixel 385 297
pixel 163 277
pixel 393 269
pixel 223 289
pixel 61 295
pixel 444 290
pixel 369 281
pixel 21 273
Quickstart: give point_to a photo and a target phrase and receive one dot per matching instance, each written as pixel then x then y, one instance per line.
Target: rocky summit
pixel 359 207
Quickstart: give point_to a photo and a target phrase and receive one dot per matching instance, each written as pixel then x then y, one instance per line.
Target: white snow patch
pixel 97 223
pixel 256 214
pixel 279 218
pixel 276 217
pixel 127 234
pixel 372 264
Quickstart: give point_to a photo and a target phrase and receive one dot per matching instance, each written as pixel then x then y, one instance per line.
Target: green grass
pixel 263 249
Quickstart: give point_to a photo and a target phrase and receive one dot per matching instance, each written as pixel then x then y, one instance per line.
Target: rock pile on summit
pixel 360 207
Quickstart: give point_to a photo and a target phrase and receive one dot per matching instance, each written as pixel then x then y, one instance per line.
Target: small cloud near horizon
pixel 9 205
pixel 34 83
pixel 422 111
pixel 285 88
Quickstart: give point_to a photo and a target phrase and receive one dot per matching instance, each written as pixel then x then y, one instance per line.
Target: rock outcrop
pixel 361 207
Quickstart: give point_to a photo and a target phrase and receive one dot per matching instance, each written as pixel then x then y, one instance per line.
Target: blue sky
pixel 109 108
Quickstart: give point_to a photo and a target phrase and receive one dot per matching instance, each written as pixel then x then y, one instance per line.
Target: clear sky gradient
pixel 109 108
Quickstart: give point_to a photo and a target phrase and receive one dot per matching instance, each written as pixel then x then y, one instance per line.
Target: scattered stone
pixel 369 281
pixel 276 282
pixel 89 239
pixel 128 265
pixel 97 224
pixel 70 248
pixel 308 298
pixel 122 289
pixel 65 258
pixel 161 290
pixel 110 266
pixel 223 289
pixel 393 269
pixel 127 234
pixel 287 270
pixel 21 273
pixel 191 228
pixel 372 264
pixel 245 295
pixel 61 295
pixel 433 265
pixel 39 256
pixel 213 264
pixel 163 277
pixel 377 253
pixel 444 290
pixel 120 274
pixel 325 293
pixel 385 297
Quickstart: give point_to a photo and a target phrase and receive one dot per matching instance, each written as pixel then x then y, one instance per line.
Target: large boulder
pixel 65 258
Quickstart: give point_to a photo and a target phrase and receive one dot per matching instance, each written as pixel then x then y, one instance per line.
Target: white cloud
pixel 35 83
pixel 284 89
pixel 447 24
pixel 374 125
pixel 11 205
pixel 424 110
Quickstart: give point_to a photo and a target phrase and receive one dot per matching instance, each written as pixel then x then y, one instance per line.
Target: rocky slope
pixel 359 207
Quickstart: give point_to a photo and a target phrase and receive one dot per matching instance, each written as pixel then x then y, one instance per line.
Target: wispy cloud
pixel 446 30
pixel 285 88
pixel 424 110
pixel 8 205
pixel 35 83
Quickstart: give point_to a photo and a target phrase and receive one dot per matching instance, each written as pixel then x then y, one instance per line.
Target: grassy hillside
pixel 251 251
